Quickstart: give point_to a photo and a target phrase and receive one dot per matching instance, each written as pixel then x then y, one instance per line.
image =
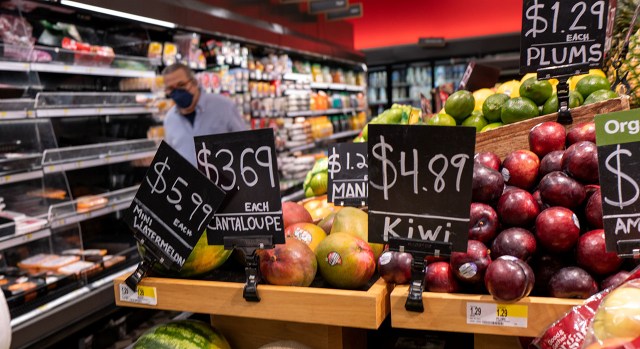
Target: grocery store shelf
pixel 16 240
pixel 333 307
pixel 20 177
pixel 56 315
pixel 372 103
pixel 14 66
pixel 296 77
pixel 405 100
pixel 286 184
pixel 73 158
pixel 295 196
pixel 336 87
pixel 293 114
pixel 85 70
pixel 50 113
pixel 68 213
pixel 13 114
pixel 343 134
pixel 448 312
pixel 323 141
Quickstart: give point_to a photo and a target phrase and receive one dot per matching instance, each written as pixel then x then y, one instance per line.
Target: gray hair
pixel 179 66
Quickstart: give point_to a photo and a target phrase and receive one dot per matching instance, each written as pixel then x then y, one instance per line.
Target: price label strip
pixel 491 314
pixel 244 165
pixel 559 33
pixel 348 174
pixel 143 295
pixel 171 210
pixel 618 140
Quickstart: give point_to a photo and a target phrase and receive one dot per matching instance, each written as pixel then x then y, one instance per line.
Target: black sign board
pixel 559 33
pixel 354 11
pixel 244 165
pixel 172 207
pixel 322 6
pixel 479 76
pixel 348 174
pixel 420 183
pixel 618 139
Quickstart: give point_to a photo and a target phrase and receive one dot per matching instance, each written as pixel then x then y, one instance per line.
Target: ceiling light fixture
pixel 118 13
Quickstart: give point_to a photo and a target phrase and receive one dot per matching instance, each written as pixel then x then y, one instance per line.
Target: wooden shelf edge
pixel 333 307
pixel 448 312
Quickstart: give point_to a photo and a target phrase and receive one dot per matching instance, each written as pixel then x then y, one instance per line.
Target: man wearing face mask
pixel 196 113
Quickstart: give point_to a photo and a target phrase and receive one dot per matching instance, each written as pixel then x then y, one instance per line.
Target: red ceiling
pixel 398 22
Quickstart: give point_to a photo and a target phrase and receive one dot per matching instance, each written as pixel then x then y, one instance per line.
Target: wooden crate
pixel 448 312
pixel 508 138
pixel 322 306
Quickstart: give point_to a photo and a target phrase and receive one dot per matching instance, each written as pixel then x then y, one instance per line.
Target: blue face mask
pixel 182 98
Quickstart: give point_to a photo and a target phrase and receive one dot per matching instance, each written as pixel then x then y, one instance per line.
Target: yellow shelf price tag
pixel 492 314
pixel 143 295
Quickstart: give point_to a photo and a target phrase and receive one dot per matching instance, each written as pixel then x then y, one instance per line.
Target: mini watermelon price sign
pixel 618 140
pixel 348 174
pixel 420 183
pixel 170 211
pixel 569 32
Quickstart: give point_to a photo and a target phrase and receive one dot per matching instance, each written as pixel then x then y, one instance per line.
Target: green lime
pixel 551 105
pixel 536 90
pixel 599 96
pixel 493 105
pixel 491 126
pixel 518 109
pixel 441 120
pixel 460 104
pixel 319 183
pixel 478 121
pixel 591 83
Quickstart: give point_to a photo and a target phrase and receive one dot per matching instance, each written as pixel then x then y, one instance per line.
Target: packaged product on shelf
pixel 90 202
pixel 49 193
pixel 32 264
pixel 110 261
pixel 93 255
pixel 16 35
pixel 169 53
pixel 154 52
pixel 53 264
pixel 78 267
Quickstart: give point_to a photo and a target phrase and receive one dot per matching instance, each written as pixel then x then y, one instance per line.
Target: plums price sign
pixel 244 165
pixel 564 32
pixel 171 209
pixel 618 140
pixel 420 183
pixel 348 174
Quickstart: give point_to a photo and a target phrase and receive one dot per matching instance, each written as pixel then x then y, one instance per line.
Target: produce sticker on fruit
pixel 243 164
pixel 618 140
pixel 558 33
pixel 420 183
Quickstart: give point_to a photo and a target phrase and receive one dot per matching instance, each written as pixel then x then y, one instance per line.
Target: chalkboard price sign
pixel 348 174
pixel 567 32
pixel 618 140
pixel 172 208
pixel 420 183
pixel 244 165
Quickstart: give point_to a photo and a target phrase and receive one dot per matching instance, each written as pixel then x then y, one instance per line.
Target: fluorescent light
pixel 118 13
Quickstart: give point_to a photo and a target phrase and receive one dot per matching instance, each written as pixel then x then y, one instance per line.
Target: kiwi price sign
pixel 618 140
pixel 420 183
pixel 172 208
pixel 244 165
pixel 567 32
pixel 348 174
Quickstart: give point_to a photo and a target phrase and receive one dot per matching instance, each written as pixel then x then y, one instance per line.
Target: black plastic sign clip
pixel 248 245
pixel 141 271
pixel 564 114
pixel 629 249
pixel 563 73
pixel 419 250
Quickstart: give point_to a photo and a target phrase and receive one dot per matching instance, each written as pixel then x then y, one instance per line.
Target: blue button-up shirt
pixel 214 114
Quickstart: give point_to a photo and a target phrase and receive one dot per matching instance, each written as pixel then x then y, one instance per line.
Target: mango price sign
pixel 567 32
pixel 420 183
pixel 618 140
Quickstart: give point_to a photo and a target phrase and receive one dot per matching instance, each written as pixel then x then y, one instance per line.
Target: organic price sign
pixel 244 165
pixel 420 183
pixel 564 32
pixel 348 174
pixel 172 207
pixel 618 140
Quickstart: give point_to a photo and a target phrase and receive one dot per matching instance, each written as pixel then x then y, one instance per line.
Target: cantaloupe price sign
pixel 618 140
pixel 172 208
pixel 348 171
pixel 564 32
pixel 244 165
pixel 420 183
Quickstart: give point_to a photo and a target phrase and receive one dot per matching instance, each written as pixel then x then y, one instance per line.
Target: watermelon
pixel 202 260
pixel 183 334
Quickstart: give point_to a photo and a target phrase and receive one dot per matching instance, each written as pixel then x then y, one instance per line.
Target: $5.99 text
pixel 203 160
pixel 174 197
pixel 437 166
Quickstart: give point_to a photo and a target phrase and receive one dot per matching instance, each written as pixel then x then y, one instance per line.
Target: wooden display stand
pixel 448 312
pixel 317 317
